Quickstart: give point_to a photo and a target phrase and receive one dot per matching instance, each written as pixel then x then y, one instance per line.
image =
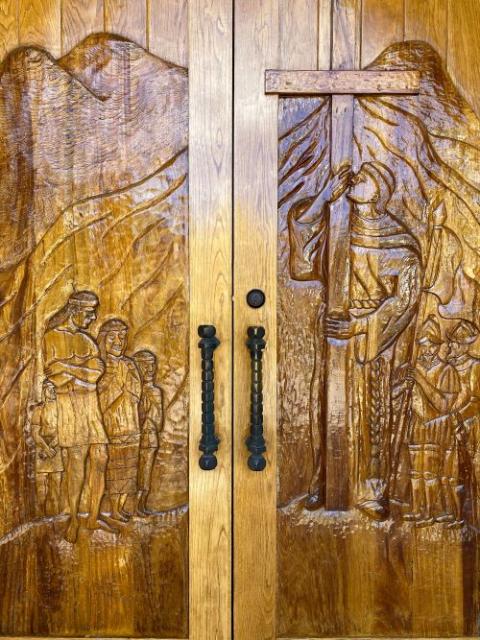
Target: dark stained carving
pixel 93 342
pixel 412 328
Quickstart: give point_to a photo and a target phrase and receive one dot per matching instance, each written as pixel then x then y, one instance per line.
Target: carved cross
pixel 342 85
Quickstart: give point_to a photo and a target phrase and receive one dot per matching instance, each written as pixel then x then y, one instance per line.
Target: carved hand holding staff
pixel 342 85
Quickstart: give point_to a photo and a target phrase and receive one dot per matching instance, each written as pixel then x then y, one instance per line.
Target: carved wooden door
pixel 115 200
pixel 357 211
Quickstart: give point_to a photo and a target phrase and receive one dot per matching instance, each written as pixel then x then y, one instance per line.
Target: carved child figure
pixel 151 424
pixel 48 458
pixel 435 385
pixel 119 392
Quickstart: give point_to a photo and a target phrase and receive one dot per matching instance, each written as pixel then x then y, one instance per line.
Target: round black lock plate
pixel 255 298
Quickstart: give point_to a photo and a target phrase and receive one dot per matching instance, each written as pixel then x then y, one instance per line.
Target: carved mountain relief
pixel 412 333
pixel 94 337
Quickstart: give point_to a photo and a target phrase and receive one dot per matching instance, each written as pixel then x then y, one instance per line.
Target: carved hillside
pixel 93 195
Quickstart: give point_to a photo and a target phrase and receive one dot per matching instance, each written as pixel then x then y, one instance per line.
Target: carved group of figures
pixel 414 381
pixel 97 428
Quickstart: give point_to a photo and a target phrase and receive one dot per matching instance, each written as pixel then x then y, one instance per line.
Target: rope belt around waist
pixel 366 304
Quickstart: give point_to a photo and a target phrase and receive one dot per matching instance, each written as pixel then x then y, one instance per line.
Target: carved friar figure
pixel 384 292
pixel 48 456
pixel 464 437
pixel 435 388
pixel 72 363
pixel 119 391
pixel 151 424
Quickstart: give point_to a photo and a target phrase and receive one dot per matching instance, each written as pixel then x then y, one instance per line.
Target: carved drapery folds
pixel 413 325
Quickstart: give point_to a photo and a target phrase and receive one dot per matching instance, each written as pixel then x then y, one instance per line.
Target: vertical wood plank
pixel 168 30
pixel 427 20
pixel 39 23
pixel 324 34
pixel 79 19
pixel 255 224
pixel 298 34
pixel 463 48
pixel 8 26
pixel 127 18
pixel 382 25
pixel 210 184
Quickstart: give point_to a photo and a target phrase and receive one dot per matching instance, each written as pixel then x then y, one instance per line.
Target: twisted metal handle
pixel 256 442
pixel 209 441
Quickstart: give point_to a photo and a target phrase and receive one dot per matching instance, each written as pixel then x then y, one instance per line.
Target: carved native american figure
pixel 119 392
pixel 414 259
pixel 73 366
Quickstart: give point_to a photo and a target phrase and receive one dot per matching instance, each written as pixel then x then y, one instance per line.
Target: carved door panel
pixel 113 117
pixel 357 210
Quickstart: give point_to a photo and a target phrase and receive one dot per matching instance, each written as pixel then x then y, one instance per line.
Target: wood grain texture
pixel 127 18
pixel 8 26
pixel 39 23
pixel 210 74
pixel 409 535
pixel 382 24
pixel 80 18
pixel 427 20
pixel 168 32
pixel 255 170
pixel 324 34
pixel 346 29
pixel 298 34
pixel 463 43
pixel 100 211
pixel 341 82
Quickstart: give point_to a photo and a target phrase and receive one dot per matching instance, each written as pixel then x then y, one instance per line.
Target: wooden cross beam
pixel 342 85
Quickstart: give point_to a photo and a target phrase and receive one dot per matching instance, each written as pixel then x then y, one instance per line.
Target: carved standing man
pixel 48 457
pixel 119 391
pixel 151 425
pixel 73 365
pixel 384 291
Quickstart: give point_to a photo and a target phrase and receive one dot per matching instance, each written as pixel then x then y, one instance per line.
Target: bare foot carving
pixel 71 533
pixel 374 509
pixel 101 524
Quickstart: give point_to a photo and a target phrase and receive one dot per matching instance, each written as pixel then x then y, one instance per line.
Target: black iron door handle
pixel 255 441
pixel 209 441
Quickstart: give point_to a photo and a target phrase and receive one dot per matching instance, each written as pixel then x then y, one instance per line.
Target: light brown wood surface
pixel 8 26
pixel 341 82
pixel 197 550
pixel 427 21
pixel 255 171
pixel 210 30
pixel 361 580
pixel 382 24
pixel 39 23
pixel 167 20
pixel 79 19
pixel 129 18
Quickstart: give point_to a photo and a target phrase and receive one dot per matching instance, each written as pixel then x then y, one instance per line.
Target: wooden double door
pixel 239 318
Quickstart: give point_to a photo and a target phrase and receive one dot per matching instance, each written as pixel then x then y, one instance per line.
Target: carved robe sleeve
pixel 392 317
pixel 308 241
